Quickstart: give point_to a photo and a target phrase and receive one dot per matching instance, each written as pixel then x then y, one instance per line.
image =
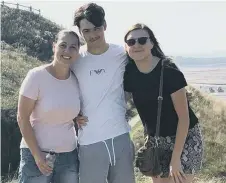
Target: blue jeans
pixel 65 168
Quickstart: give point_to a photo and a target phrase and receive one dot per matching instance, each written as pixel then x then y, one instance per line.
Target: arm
pixel 26 104
pixel 25 108
pixel 175 85
pixel 180 104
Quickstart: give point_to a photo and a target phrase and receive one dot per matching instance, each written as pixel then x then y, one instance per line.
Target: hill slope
pixel 15 66
pixel 25 29
pixel 212 117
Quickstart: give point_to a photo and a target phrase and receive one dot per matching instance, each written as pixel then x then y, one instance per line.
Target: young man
pixel 106 151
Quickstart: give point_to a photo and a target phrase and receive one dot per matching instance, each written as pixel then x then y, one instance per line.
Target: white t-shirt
pixel 100 80
pixel 57 104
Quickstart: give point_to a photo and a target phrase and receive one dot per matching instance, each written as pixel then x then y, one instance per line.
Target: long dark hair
pixel 156 50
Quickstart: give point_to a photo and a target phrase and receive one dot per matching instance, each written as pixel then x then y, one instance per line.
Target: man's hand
pixel 81 121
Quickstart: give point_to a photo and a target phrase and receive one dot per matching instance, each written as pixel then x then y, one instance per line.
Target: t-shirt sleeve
pixel 30 86
pixel 175 80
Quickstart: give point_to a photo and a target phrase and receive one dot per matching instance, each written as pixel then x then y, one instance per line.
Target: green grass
pixel 14 68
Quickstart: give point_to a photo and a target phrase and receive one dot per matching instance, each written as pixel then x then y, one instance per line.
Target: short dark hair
pixel 92 12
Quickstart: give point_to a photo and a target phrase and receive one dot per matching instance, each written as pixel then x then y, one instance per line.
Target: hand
pixel 81 121
pixel 176 172
pixel 41 163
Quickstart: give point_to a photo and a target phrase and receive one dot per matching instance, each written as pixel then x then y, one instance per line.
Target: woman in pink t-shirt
pixel 48 103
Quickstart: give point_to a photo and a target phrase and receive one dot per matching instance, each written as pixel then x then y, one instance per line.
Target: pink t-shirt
pixel 57 104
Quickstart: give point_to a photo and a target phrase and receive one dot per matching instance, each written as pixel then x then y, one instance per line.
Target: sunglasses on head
pixel 140 40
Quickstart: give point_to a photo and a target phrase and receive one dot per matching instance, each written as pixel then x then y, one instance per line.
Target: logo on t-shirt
pixel 97 72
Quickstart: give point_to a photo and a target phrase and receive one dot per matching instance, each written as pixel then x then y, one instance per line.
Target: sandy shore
pixel 208 80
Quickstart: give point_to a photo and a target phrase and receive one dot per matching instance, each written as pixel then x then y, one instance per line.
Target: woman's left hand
pixel 176 172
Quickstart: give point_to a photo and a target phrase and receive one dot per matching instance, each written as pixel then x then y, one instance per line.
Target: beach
pixel 209 80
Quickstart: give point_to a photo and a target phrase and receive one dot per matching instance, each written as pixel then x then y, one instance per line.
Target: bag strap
pixel 160 99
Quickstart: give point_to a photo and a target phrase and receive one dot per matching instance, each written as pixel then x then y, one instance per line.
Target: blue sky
pixel 182 28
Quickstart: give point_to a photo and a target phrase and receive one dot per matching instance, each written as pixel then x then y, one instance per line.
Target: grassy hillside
pixel 212 116
pixel 15 66
pixel 28 30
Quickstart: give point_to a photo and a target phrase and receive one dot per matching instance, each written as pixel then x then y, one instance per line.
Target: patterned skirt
pixel 192 155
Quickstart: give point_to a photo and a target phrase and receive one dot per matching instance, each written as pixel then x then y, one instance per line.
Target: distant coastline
pixel 205 74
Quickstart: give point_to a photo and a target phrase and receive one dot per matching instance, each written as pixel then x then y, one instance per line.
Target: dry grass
pixel 212 115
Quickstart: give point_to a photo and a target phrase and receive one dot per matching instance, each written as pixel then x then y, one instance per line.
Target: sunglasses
pixel 140 40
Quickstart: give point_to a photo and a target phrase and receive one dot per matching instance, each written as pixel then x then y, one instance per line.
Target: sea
pixel 208 75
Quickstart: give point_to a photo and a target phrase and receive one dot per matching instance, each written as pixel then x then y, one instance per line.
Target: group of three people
pixel 89 84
